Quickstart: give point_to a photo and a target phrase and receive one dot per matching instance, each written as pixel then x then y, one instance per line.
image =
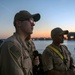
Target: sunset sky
pixel 54 13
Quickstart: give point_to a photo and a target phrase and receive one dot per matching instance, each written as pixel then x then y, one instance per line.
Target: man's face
pixel 59 38
pixel 36 61
pixel 27 26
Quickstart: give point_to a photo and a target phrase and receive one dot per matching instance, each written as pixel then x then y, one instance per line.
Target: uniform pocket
pixel 26 60
pixel 58 61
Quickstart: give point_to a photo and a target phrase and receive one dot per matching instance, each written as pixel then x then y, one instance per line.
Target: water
pixel 41 45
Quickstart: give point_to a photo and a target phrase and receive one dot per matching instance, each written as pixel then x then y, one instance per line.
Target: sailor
pixel 56 58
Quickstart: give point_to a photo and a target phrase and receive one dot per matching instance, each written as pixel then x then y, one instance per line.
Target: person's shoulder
pixel 47 50
pixel 11 47
pixel 12 40
pixel 9 42
pixel 66 49
pixel 6 45
pixel 64 46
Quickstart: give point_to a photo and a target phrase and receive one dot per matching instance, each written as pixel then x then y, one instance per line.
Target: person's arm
pixel 10 60
pixel 71 59
pixel 47 61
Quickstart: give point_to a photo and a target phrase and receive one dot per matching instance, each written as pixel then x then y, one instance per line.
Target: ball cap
pixel 59 31
pixel 23 15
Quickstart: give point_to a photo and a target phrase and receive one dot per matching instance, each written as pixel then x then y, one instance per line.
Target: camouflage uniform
pixel 31 47
pixel 15 57
pixel 52 61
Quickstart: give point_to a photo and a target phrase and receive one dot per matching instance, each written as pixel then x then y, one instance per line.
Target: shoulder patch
pixel 15 51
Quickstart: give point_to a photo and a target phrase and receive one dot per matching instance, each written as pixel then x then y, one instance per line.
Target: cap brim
pixel 65 32
pixel 36 17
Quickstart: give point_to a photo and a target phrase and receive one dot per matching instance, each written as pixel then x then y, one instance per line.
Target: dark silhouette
pixel 37 64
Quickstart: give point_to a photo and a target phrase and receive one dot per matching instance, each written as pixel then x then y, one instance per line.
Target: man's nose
pixel 33 24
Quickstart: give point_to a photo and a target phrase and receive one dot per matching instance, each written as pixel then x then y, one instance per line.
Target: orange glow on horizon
pixel 44 34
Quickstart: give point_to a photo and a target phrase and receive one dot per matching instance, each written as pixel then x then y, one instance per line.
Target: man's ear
pixel 18 23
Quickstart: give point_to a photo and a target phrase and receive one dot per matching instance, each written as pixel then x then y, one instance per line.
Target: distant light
pixel 71 37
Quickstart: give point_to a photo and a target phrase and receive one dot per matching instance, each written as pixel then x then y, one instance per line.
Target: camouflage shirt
pixel 51 60
pixel 15 57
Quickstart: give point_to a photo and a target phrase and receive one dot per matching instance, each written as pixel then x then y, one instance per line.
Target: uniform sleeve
pixel 47 60
pixel 10 56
